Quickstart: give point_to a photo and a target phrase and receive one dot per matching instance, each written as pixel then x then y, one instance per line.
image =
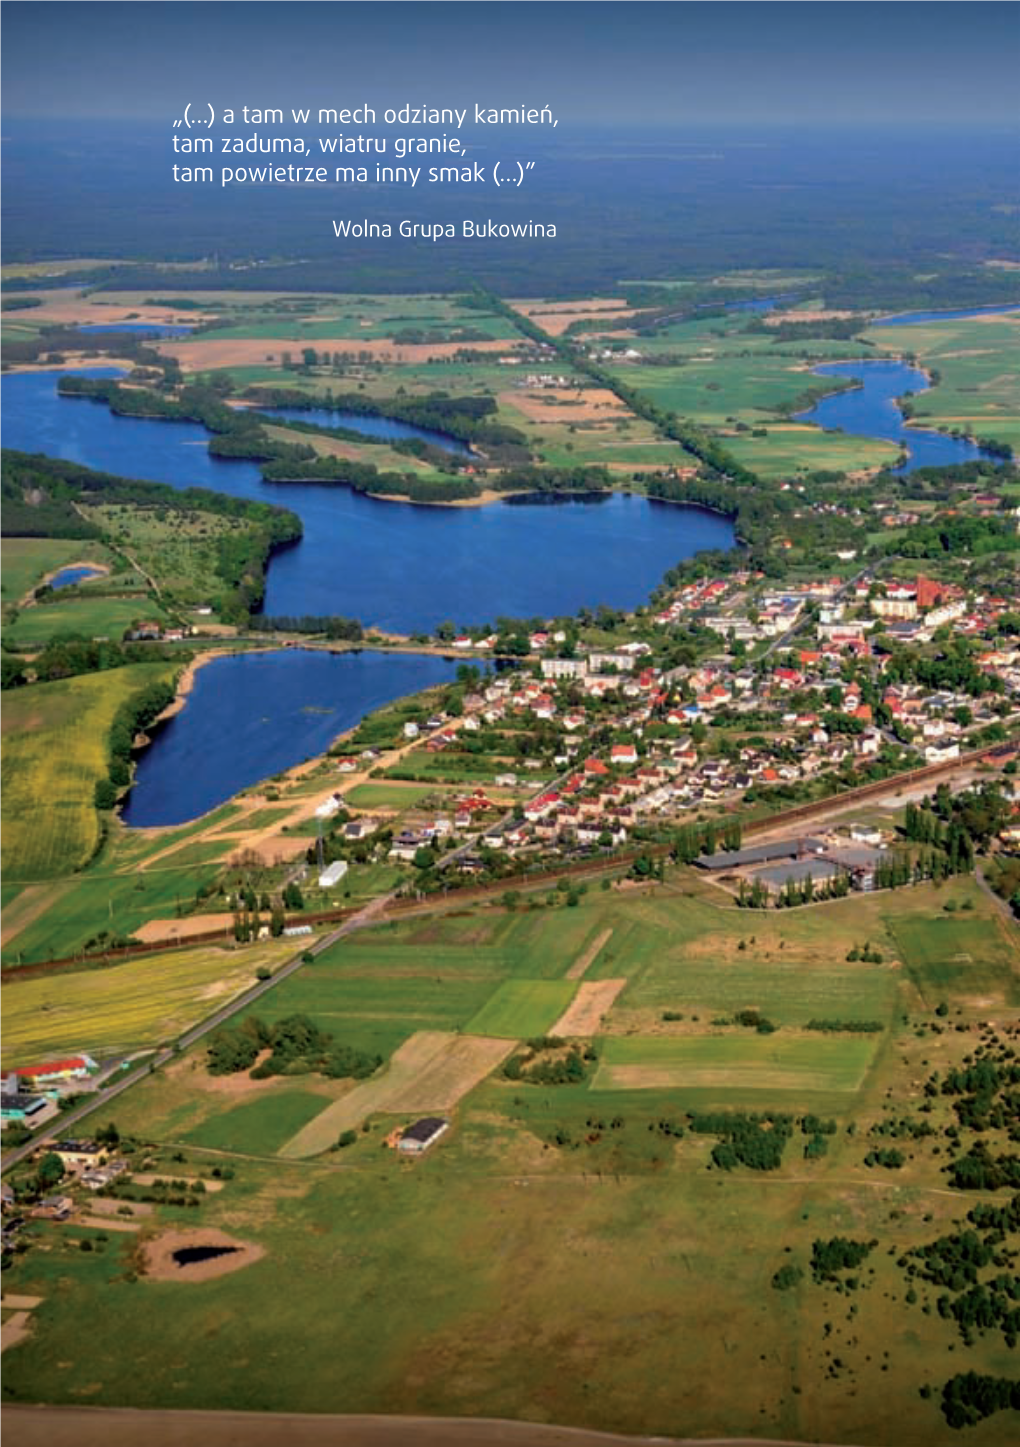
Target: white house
pixel 333 875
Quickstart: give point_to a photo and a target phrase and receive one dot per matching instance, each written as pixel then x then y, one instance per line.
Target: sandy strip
pixel 125 1427
pixel 583 1016
pixel 199 355
pixel 585 960
pixel 103 1223
pixel 20 1303
pixel 15 1330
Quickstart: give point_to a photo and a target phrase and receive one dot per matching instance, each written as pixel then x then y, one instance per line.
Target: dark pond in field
pixel 67 577
pixel 252 715
pixel 910 319
pixel 870 411
pixel 393 565
pixel 385 427
pixel 138 329
pixel 191 1255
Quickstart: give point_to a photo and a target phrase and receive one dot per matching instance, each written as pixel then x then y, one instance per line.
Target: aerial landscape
pixel 511 724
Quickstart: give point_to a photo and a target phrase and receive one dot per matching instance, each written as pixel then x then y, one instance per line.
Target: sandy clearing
pixel 152 1180
pixel 566 404
pixel 587 958
pixel 556 316
pixel 20 1303
pixel 44 1426
pixel 429 1072
pixel 77 310
pixel 255 351
pixel 583 1016
pixel 15 1330
pixel 161 1266
pixel 195 924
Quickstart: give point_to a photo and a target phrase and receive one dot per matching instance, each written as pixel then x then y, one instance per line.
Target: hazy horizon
pixel 624 66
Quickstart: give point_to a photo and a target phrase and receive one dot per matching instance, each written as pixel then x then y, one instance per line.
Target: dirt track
pixel 122 1427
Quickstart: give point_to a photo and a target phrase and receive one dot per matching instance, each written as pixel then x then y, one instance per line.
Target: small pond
pixel 191 1255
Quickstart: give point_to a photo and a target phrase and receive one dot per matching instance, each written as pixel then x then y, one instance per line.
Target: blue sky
pixel 624 64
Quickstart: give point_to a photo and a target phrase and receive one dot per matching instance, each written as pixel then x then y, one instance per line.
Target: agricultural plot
pixel 260 1126
pixel 744 1067
pixel 431 1072
pixel 92 617
pixel 54 752
pixel 520 1009
pixel 112 1010
pixel 377 1013
pixel 585 1013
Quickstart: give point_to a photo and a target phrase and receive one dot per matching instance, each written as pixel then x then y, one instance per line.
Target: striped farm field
pixel 742 1064
pixel 126 1007
pixel 54 751
pixel 430 1072
pixel 523 1008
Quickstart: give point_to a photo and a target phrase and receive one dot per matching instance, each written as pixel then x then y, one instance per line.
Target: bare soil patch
pixel 584 1014
pixel 194 924
pixel 566 404
pixel 161 1266
pixel 15 1330
pixel 585 960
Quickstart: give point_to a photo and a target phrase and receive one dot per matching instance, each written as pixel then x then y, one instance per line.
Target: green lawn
pixel 740 1066
pixel 261 1126
pixel 91 617
pixel 521 1009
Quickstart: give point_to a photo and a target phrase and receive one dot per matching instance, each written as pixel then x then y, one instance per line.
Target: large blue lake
pixel 252 715
pixel 870 411
pixel 393 565
pixel 912 319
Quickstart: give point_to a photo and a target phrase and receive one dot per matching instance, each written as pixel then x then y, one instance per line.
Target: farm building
pixel 80 1153
pixel 16 1106
pixel 760 854
pixel 79 1067
pixel 333 874
pixel 424 1133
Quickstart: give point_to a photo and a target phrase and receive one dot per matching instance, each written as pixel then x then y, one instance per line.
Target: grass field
pixel 430 1072
pixel 115 1009
pixel 259 1126
pixel 960 955
pixel 54 752
pixel 91 617
pixel 523 1008
pixel 737 1067
pixel 556 1254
